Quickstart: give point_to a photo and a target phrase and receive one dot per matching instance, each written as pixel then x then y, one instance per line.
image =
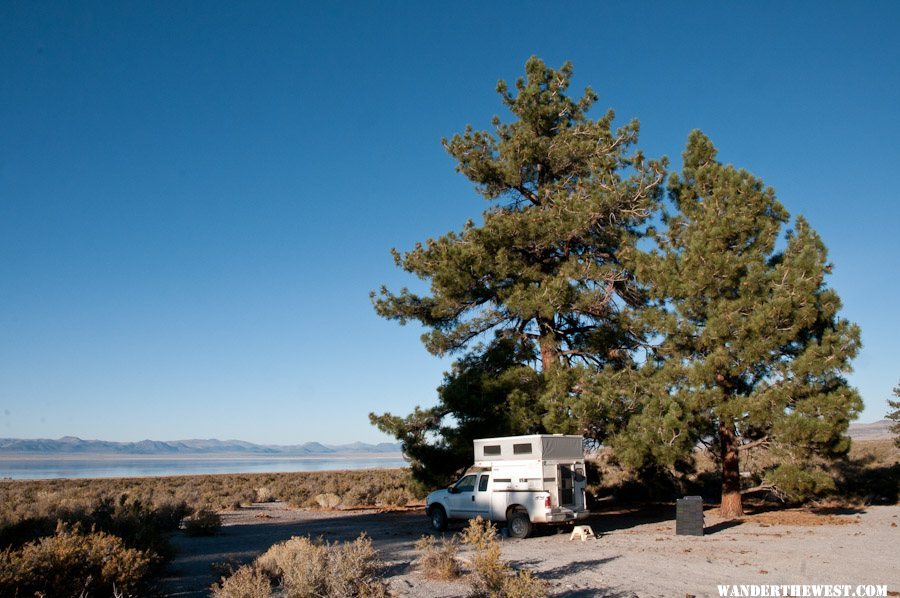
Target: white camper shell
pixel 519 480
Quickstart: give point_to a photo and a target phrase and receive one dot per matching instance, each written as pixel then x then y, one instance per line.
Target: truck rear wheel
pixel 438 518
pixel 519 525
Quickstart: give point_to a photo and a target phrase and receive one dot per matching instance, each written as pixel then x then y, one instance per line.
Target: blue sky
pixel 197 197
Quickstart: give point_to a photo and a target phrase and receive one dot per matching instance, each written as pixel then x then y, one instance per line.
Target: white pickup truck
pixel 519 480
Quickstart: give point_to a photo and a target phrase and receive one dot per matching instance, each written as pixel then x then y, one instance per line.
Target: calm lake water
pixel 19 468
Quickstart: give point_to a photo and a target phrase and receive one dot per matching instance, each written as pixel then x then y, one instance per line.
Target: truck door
pixel 462 498
pixel 482 498
pixel 471 497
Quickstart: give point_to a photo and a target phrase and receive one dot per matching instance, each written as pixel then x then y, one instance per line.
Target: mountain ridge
pixel 68 445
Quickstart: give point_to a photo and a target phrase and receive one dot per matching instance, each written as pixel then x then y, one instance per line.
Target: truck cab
pixel 517 480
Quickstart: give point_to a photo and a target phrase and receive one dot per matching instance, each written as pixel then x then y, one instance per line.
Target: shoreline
pixel 107 457
pixel 105 466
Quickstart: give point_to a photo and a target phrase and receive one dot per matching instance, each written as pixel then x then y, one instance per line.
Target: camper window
pixel 491 449
pixel 522 449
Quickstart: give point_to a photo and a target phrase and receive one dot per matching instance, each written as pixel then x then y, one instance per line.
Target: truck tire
pixel 438 518
pixel 519 525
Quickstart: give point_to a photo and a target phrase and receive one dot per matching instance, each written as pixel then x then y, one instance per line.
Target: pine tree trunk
pixel 731 506
pixel 549 348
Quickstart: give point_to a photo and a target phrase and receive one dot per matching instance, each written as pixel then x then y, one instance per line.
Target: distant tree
pixel 751 349
pixel 538 287
pixel 894 415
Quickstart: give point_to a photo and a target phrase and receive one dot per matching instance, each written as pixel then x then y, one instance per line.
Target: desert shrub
pixel 488 570
pixel 298 565
pixel 437 560
pixel 354 570
pixel 22 499
pixel 393 497
pixel 491 576
pixel 264 494
pixel 327 500
pixel 523 584
pixel 359 496
pixel 303 567
pixel 168 515
pixel 246 582
pixel 203 523
pixel 72 563
pixel 137 525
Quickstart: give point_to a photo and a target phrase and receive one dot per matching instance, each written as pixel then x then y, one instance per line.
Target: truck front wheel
pixel 438 518
pixel 519 525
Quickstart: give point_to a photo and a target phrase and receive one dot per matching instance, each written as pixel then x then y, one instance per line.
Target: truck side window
pixel 483 482
pixel 466 484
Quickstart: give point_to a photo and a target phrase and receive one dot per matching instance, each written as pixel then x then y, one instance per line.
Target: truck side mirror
pixel 452 490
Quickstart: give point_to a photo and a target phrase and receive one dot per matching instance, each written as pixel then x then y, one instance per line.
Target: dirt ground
pixel 635 554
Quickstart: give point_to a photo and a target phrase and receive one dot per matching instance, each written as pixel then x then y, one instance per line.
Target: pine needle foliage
pixel 537 288
pixel 751 349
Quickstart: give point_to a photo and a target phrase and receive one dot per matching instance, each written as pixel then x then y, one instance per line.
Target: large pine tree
pixel 538 286
pixel 751 348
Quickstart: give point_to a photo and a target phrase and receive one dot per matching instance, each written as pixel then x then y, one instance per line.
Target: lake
pixel 36 468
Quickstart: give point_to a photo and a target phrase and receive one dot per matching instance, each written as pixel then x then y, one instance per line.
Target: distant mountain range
pixel 879 430
pixel 69 445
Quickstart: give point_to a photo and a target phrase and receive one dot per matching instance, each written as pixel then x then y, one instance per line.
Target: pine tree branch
pixel 761 488
pixel 528 194
pixel 754 443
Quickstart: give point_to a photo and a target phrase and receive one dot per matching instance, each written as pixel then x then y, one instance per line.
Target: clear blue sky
pixel 197 197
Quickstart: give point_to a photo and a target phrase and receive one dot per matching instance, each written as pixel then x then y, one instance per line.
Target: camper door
pixel 571 484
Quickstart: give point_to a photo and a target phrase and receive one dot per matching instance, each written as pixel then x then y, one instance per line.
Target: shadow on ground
pixel 574 567
pixel 721 526
pixel 200 561
pixel 613 519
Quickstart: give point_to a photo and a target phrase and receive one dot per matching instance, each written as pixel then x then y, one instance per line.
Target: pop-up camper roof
pixel 544 447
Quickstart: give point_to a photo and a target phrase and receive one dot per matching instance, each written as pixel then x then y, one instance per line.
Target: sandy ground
pixel 636 553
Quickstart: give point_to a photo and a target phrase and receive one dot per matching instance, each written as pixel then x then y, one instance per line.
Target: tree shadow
pixel 594 593
pixel 574 567
pixel 195 566
pixel 614 518
pixel 837 510
pixel 721 526
pixel 861 482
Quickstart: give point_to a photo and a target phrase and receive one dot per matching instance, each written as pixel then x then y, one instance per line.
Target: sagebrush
pixel 302 567
pixel 74 563
pixel 491 576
